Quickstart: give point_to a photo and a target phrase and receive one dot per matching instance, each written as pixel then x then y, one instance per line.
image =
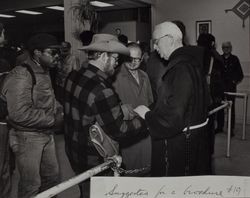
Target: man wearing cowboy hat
pixel 90 98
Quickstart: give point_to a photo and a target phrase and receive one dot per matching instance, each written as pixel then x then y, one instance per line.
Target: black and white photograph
pixel 124 99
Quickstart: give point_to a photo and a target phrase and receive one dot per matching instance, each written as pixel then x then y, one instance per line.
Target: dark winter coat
pixel 155 68
pixel 30 107
pixel 232 72
pixel 217 86
pixel 182 101
pixel 5 177
pixel 3 104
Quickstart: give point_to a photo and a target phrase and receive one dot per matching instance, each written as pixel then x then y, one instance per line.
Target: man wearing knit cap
pixel 33 114
pixel 177 123
pixel 90 98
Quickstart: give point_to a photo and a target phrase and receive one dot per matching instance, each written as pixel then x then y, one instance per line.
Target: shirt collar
pixel 100 73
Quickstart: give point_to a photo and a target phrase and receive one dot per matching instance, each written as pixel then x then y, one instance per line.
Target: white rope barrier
pixel 225 104
pixel 245 96
pixel 116 160
pixel 80 178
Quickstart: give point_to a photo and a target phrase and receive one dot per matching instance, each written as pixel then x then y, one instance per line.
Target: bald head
pixel 167 38
pixel 167 28
pixel 134 61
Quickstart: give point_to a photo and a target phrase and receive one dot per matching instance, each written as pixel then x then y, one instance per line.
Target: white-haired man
pixel 90 98
pixel 177 123
pixel 232 76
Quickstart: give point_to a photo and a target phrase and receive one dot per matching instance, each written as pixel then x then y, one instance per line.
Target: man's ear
pixel 104 56
pixel 213 43
pixel 171 40
pixel 2 38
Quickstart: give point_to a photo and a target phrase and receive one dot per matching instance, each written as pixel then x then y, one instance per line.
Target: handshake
pixel 130 113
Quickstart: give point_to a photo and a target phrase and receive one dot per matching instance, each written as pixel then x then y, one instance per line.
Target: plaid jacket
pixel 89 97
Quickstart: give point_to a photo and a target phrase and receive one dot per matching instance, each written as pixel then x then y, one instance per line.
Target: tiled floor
pixel 237 164
pixel 239 161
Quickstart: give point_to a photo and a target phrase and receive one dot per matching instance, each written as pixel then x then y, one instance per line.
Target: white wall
pixel 132 29
pixel 225 26
pixel 128 28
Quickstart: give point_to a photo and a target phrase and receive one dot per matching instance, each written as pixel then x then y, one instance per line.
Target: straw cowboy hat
pixel 106 43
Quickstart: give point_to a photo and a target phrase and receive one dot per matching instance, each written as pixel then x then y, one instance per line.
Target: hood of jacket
pixel 195 54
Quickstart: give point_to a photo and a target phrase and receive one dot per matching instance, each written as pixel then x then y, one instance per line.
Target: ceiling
pixel 10 6
pixel 7 6
pixel 51 20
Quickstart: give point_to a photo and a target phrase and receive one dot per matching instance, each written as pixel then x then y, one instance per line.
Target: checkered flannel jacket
pixel 89 97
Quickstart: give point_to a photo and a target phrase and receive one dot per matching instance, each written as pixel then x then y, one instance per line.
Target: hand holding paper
pixel 128 111
pixel 141 111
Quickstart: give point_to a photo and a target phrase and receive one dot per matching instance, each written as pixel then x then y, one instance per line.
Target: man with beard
pixel 90 98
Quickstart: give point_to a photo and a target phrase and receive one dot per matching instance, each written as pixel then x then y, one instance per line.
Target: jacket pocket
pixel 17 142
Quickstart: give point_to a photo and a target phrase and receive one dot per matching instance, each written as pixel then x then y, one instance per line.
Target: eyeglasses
pixel 156 41
pixel 51 52
pixel 132 59
pixel 115 57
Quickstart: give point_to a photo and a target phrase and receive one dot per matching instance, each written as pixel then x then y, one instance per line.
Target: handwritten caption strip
pixel 170 187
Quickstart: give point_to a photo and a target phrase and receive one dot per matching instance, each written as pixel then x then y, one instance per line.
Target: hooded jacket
pixel 182 101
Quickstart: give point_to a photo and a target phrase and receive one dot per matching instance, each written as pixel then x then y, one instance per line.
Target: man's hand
pixel 58 120
pixel 128 112
pixel 141 111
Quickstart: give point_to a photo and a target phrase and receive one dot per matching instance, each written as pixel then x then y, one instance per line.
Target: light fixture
pixel 56 8
pixel 7 16
pixel 100 4
pixel 28 12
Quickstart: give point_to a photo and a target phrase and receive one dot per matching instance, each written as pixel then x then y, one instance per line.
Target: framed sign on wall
pixel 203 27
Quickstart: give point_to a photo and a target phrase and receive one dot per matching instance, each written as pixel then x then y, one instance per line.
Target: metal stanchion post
pixel 118 163
pixel 245 96
pixel 244 117
pixel 225 104
pixel 229 128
